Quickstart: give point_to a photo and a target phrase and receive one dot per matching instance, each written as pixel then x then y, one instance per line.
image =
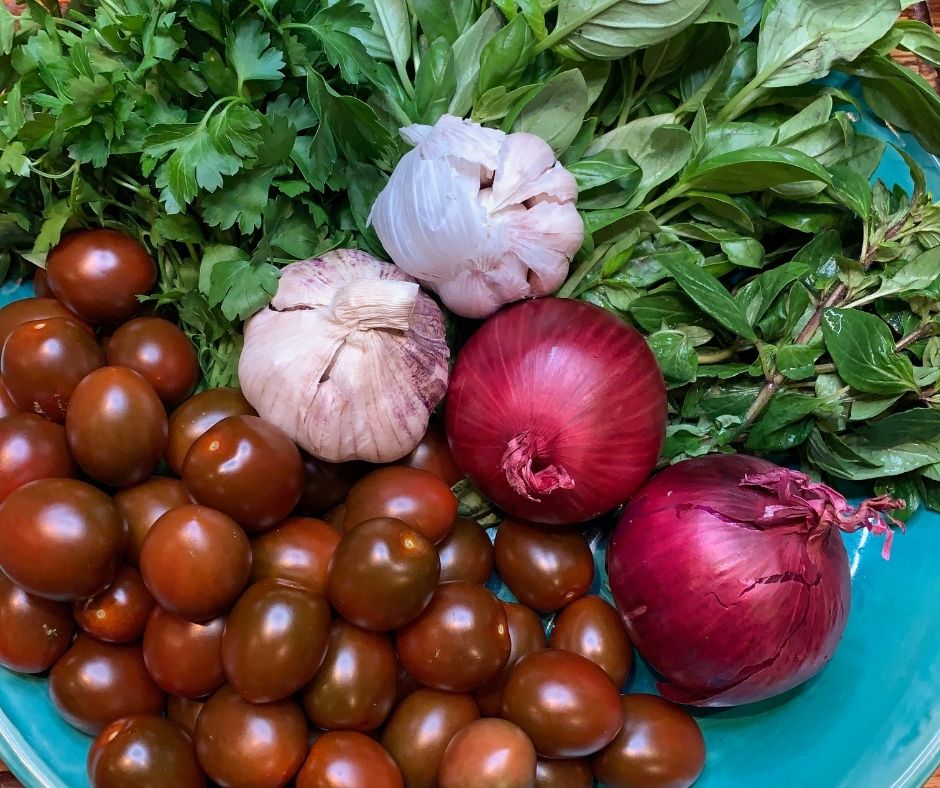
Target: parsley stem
pixel 54 176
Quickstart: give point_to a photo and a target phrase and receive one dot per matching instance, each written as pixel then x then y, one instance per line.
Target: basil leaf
pixel 750 15
pixel 864 408
pixel 851 189
pixel 797 362
pixel 919 424
pixel 443 20
pixel 810 117
pixel 862 349
pixel 654 311
pixel 784 424
pixel 918 38
pixel 756 296
pixel 932 495
pixel 467 50
pixel 801 39
pixel 754 169
pixel 676 356
pixel 435 82
pixel 557 111
pixel 602 168
pixel 505 56
pixel 706 291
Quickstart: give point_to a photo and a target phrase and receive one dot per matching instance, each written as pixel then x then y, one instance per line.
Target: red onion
pixel 556 410
pixel 732 577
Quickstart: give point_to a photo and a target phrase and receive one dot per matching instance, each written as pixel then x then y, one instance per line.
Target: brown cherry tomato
pixel 32 448
pixel 593 628
pixel 566 704
pixel 275 639
pixel 146 503
pixel 336 517
pixel 96 683
pixel 545 568
pixel 434 455
pixel 466 553
pixel 60 539
pixel 195 561
pixel 347 759
pixel 355 687
pixel 119 613
pixel 246 468
pixel 298 551
pixel 44 361
pixel 383 574
pixel 41 284
pixel 7 405
pixel 326 484
pixel 185 659
pixel 411 495
pixel 459 642
pixel 489 752
pixel 159 351
pixel 406 685
pixel 26 310
pixel 574 773
pixel 196 415
pixel 185 711
pixel 420 729
pixel 99 273
pixel 34 632
pixel 660 745
pixel 244 745
pixel 526 634
pixel 144 751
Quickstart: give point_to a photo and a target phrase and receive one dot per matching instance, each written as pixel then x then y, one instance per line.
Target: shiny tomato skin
pixel 489 752
pixel 119 613
pixel 27 310
pixel 99 273
pixel 32 448
pixel 466 553
pixel 7 405
pixel 74 528
pixel 299 551
pixel 326 484
pixel 116 426
pixel 96 683
pixel 184 659
pixel 34 632
pixel 347 759
pixel 185 711
pixel 144 504
pixel 159 351
pixel 44 361
pixel 196 415
pixel 593 628
pixel 433 455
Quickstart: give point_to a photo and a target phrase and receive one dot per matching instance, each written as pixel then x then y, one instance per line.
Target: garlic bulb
pixel 349 359
pixel 481 217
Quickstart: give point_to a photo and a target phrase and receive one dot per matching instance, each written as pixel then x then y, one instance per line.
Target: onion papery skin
pixel 728 607
pixel 565 400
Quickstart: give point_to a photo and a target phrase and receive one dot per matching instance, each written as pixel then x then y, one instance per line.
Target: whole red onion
pixel 732 578
pixel 556 410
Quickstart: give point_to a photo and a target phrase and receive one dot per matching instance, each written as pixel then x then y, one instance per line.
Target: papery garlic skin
pixel 481 217
pixel 350 358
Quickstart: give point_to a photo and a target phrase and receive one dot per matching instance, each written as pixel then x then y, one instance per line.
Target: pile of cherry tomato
pixel 293 619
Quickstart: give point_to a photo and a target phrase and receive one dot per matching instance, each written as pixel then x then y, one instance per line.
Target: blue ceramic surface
pixel 871 719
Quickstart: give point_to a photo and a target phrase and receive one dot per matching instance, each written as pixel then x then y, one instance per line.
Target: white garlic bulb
pixel 349 359
pixel 481 217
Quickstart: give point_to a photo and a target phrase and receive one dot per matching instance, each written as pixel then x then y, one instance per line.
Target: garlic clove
pixel 454 138
pixel 479 293
pixel 523 160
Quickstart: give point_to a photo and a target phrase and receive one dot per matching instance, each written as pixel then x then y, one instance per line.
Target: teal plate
pixel 870 720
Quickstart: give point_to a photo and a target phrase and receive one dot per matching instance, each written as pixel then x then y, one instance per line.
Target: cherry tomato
pixel 32 448
pixel 347 759
pixel 159 351
pixel 466 553
pixel 299 551
pixel 7 405
pixel 434 455
pixel 659 745
pixel 383 574
pixel 44 361
pixel 574 773
pixel 545 568
pixel 526 634
pixel 592 628
pixel 195 561
pixel 98 274
pixel 407 684
pixel 116 426
pixel 60 539
pixel 355 687
pixel 489 752
pixel 274 641
pixel 326 484
pixel 196 415
pixel 246 468
pixel 26 310
pixel 34 632
pixel 144 504
pixel 243 745
pixel 185 711
pixel 336 517
pixel 139 750
pixel 120 612
pixel 420 729
pixel 41 284
pixel 97 683
pixel 566 704
pixel 413 496
pixel 459 642
pixel 185 659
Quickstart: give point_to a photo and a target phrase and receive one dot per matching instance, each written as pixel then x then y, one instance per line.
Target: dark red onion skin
pixel 576 390
pixel 726 612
